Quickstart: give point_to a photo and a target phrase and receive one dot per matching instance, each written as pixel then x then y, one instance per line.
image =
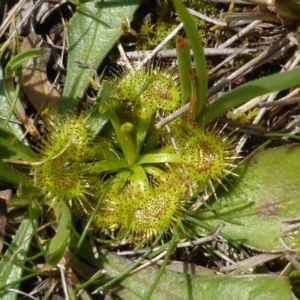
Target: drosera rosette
pixel 144 163
pixel 64 151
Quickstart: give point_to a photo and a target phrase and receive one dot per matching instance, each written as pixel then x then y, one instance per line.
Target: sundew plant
pixel 110 172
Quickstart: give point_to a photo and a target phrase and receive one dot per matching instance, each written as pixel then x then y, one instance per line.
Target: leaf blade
pixel 90 41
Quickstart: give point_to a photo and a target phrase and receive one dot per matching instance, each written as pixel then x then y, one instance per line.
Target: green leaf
pixel 186 284
pixel 173 285
pixel 248 91
pixel 139 179
pixel 269 180
pixel 90 40
pixel 25 192
pixel 11 147
pixel 17 61
pixel 153 158
pixel 7 112
pixel 107 166
pixel 11 175
pixel 58 244
pixel 12 263
pixel 143 127
pixel 125 139
pixel 96 120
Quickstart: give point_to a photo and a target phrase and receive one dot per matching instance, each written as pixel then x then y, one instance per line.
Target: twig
pixel 241 18
pixel 138 55
pixel 91 67
pixel 61 268
pixel 272 97
pixel 22 293
pixel 254 102
pixel 239 34
pixel 11 15
pixel 51 10
pixel 227 59
pixel 11 120
pixel 149 262
pixel 281 102
pixel 124 56
pixel 252 261
pixel 206 18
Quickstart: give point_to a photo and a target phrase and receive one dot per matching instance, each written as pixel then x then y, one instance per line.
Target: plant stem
pixel 199 57
pixel 184 67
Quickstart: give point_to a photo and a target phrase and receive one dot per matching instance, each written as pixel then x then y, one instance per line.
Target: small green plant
pixel 139 159
pixel 113 168
pixel 145 164
pixel 244 118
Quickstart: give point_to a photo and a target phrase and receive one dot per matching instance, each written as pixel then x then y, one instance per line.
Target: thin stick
pixel 210 237
pixel 226 60
pixel 205 17
pixel 124 56
pixel 51 10
pixel 91 67
pixel 169 53
pixel 239 34
pixel 161 45
pixel 12 13
pixel 281 102
pixel 63 279
pixel 11 120
pixel 148 263
pixel 230 1
pixel 273 51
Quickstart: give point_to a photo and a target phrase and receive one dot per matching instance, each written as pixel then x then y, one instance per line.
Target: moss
pixel 244 118
pixel 152 32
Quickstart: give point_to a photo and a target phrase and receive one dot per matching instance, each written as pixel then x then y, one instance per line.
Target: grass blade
pixel 11 264
pixel 248 91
